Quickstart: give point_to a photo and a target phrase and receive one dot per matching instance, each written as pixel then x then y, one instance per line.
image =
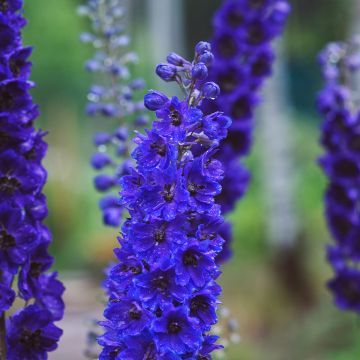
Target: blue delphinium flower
pixel 111 100
pixel 24 240
pixel 241 42
pixel 340 137
pixel 163 292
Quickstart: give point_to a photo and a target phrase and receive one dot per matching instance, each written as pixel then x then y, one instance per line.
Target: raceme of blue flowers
pixel 24 239
pixel 338 105
pixel 242 36
pixel 163 294
pixel 111 99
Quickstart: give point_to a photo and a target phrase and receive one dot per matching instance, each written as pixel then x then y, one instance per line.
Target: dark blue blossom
pixel 176 332
pixel 24 240
pixel 31 334
pixel 162 293
pixel 243 32
pixel 340 137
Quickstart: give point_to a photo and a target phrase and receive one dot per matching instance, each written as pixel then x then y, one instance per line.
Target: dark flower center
pixel 351 291
pixel 241 108
pixel 227 82
pixel 175 117
pixel 35 269
pixel 256 34
pixel 174 327
pixel 6 101
pixel 168 194
pixel 113 353
pixel 159 148
pixel 4 138
pixel 16 65
pixel 124 268
pixel 136 270
pixel 159 236
pixel 135 314
pixel 190 258
pixel 193 188
pixel 354 143
pixel 227 46
pixel 158 312
pixel 3 5
pixel 341 225
pixel 198 303
pixel 31 339
pixel 339 194
pixel 235 18
pixel 346 168
pixel 6 240
pixel 203 357
pixel 259 67
pixel 161 283
pixel 256 3
pixel 8 184
pixel 30 155
pixel 205 236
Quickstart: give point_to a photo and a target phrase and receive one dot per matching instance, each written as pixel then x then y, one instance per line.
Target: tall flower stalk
pixel 28 333
pixel 338 104
pixel 111 100
pixel 242 43
pixel 163 293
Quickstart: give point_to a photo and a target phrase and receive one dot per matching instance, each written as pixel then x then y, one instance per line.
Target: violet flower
pixel 241 42
pixel 24 239
pixel 338 105
pixel 163 293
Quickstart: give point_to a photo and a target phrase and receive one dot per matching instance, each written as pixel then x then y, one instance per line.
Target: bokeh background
pixel 275 284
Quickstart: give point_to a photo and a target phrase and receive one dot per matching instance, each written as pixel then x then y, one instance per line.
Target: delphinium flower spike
pixel 111 100
pixel 241 42
pixel 163 293
pixel 29 333
pixel 338 104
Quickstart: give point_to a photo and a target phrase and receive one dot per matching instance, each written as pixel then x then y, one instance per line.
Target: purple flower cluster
pixel 111 99
pixel 339 107
pixel 243 32
pixel 24 240
pixel 163 294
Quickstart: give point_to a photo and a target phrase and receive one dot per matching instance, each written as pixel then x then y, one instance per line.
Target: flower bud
pixel 100 160
pixel 175 59
pixel 199 71
pixel 108 110
pixel 210 90
pixel 104 182
pixel 101 138
pixel 121 133
pixel 167 72
pixel 207 57
pixel 154 100
pixel 202 46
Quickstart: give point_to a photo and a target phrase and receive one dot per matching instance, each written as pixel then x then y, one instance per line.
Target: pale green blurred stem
pixel 277 157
